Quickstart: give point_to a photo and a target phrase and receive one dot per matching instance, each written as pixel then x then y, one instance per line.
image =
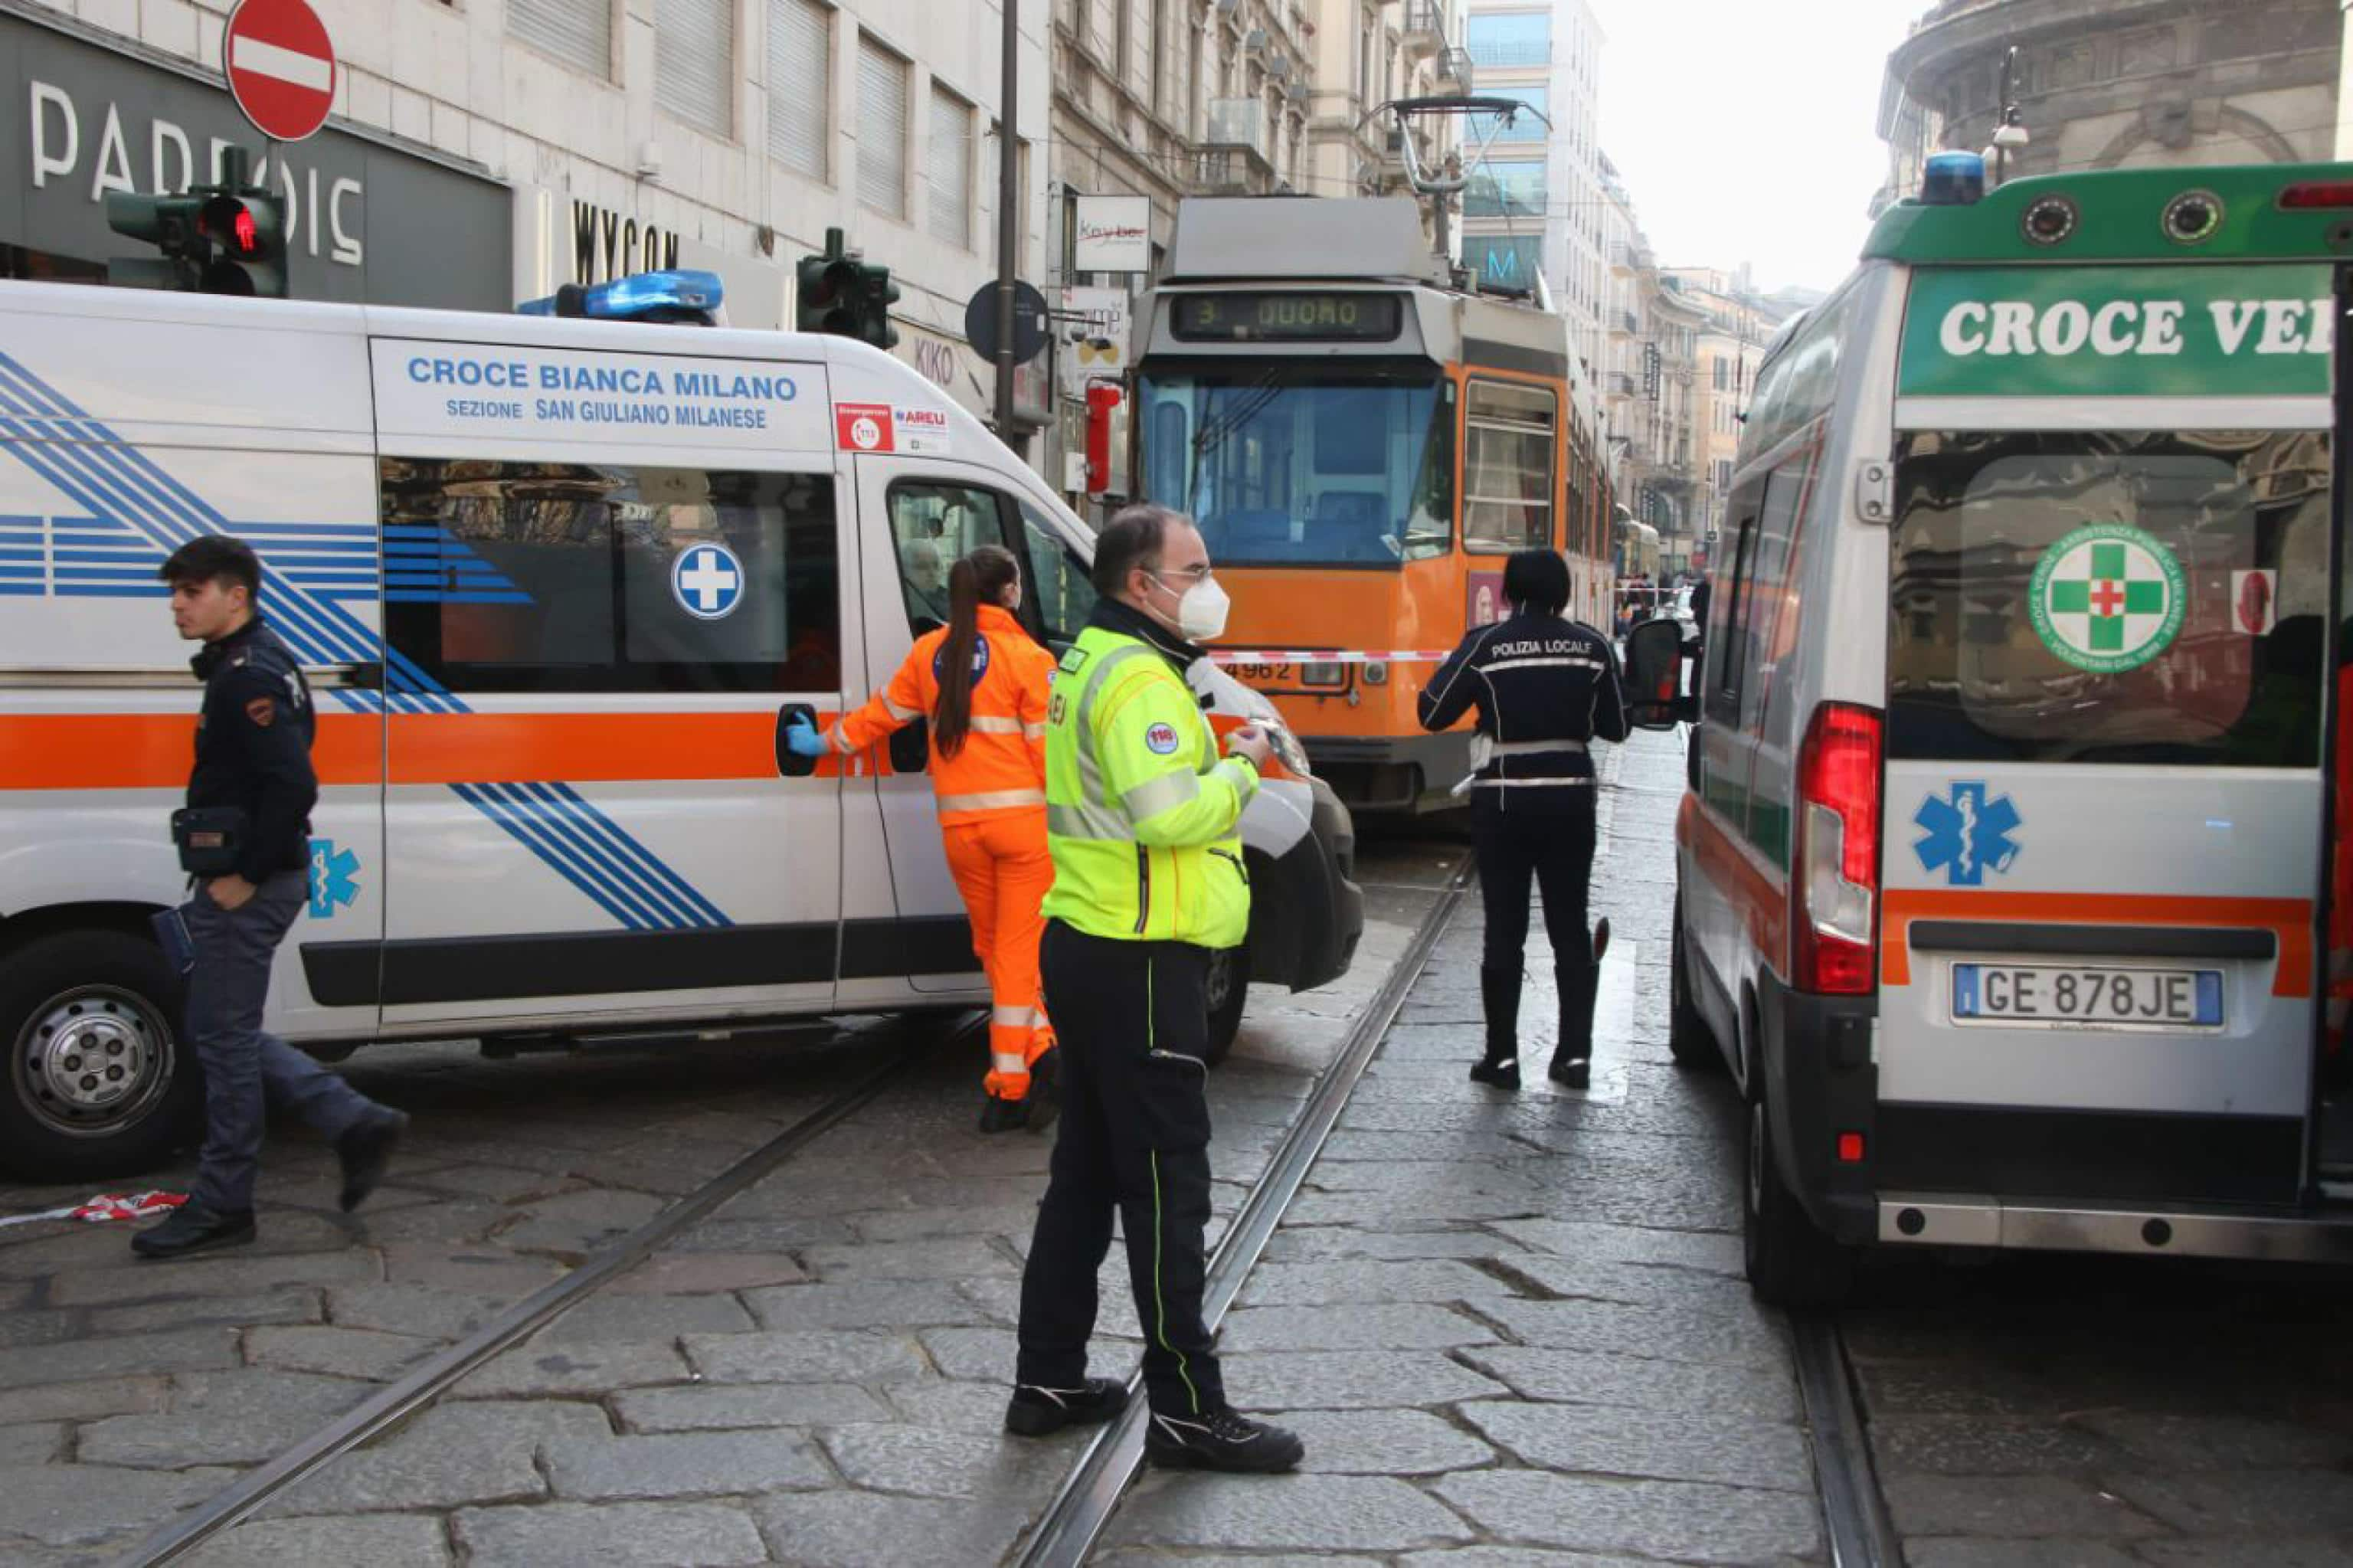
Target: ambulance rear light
pixel 2310 196
pixel 1834 886
pixel 680 295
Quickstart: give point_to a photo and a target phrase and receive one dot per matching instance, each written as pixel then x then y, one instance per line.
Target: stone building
pixel 2116 83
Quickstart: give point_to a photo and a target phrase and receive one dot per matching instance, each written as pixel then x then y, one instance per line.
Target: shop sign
pixel 1111 234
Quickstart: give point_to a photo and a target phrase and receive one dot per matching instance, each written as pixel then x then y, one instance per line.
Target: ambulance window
pixel 1059 586
pixel 567 578
pixel 930 525
pixel 2121 597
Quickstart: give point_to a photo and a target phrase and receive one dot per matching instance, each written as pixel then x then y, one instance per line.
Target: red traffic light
pixel 247 240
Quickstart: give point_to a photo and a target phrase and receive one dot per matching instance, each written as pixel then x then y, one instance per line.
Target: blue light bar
pixel 676 295
pixel 1952 179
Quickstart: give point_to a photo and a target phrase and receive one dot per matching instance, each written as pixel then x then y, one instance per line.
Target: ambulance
pixel 2003 870
pixel 559 585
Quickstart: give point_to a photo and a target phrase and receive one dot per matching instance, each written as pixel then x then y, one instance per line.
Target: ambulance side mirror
pixel 1654 676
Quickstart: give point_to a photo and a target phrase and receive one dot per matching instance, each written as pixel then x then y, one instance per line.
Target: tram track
pixel 397 1402
pixel 1856 1527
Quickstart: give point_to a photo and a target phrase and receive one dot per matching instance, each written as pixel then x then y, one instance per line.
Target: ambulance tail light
pixel 1834 888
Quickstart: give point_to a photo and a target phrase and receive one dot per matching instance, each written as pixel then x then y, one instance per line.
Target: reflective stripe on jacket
pixel 1141 813
pixel 1002 765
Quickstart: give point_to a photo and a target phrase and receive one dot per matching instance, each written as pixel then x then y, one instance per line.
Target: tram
pixel 1362 444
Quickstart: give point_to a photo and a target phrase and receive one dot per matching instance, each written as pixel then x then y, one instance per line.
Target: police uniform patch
pixel 262 711
pixel 1161 739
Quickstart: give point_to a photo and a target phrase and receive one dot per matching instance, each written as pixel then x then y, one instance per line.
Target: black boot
pixel 1499 997
pixel 1572 1054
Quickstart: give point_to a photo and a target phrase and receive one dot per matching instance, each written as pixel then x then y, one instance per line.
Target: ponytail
pixel 984 573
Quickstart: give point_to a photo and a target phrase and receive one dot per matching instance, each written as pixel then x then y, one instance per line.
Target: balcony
pixel 1232 157
pixel 1425 29
pixel 1454 66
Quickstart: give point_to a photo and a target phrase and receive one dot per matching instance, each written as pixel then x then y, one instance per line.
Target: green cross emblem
pixel 2107 597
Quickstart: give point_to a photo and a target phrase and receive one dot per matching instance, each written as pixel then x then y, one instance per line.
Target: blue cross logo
pixel 707 581
pixel 334 878
pixel 1965 834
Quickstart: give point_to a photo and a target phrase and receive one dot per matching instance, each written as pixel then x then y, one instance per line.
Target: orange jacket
pixel 1002 766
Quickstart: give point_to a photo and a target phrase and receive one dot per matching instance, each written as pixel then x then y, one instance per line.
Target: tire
pixel 99 1081
pixel 1689 1039
pixel 1792 1262
pixel 1228 992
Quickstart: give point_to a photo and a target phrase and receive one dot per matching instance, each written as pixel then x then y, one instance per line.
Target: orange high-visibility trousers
pixel 1002 869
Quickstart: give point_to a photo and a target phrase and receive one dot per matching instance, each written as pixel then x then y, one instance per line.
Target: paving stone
pixel 575 1224
pixel 82 1505
pixel 2275 1551
pixel 420 1310
pixel 1649 1444
pixel 87 1248
pixel 1324 1244
pixel 83 1400
pixel 246 1273
pixel 950 1259
pixel 443 1220
pixel 34 1444
pixel 1381 1442
pixel 611 1535
pixel 2182 1440
pixel 1348 1282
pixel 303 1306
pixel 182 1349
pixel 684 1464
pixel 499 1184
pixel 222 1418
pixel 2010 1506
pixel 688 1274
pixel 943 1404
pixel 1936 1553
pixel 604 1319
pixel 451 1456
pixel 479 1270
pixel 1517 1557
pixel 1972 1446
pixel 1586 1241
pixel 1343 1380
pixel 1683 1519
pixel 2246 1503
pixel 903 1304
pixel 373 1540
pixel 924 1463
pixel 773 1234
pixel 25 1329
pixel 1579 1377
pixel 1409 1208
pixel 868 1530
pixel 1382 1326
pixel 1011 1221
pixel 824 1356
pixel 755 1406
pixel 1148 1558
pixel 980 1355
pixel 538 1369
pixel 1305 1512
pixel 338 1352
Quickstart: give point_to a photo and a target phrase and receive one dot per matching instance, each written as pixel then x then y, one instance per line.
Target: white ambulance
pixel 559 586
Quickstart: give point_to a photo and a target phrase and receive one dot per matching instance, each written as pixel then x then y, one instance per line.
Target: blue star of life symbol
pixel 708 581
pixel 334 878
pixel 1965 834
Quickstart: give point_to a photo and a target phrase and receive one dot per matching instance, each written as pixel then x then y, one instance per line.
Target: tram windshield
pixel 1298 463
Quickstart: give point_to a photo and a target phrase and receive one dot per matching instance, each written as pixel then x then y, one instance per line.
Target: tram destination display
pixel 1290 316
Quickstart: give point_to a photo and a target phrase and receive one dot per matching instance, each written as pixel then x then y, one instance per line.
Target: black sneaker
pixel 1045 1101
pixel 1222 1439
pixel 1003 1116
pixel 1503 1074
pixel 365 1150
pixel 1572 1072
pixel 1034 1410
pixel 195 1228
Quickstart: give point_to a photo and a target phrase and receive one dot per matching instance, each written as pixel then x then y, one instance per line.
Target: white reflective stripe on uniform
pixel 904 716
pixel 1154 796
pixel 1013 1017
pixel 1531 783
pixel 992 723
pixel 1094 822
pixel 1033 732
pixel 1532 748
pixel 1564 662
pixel 841 743
pixel 1005 1063
pixel 992 800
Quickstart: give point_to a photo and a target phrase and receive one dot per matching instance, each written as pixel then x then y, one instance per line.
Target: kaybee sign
pixel 2118 331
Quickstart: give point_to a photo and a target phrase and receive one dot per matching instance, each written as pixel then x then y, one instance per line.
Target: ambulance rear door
pixel 615 569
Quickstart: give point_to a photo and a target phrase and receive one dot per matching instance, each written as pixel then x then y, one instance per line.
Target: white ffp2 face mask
pixel 1201 609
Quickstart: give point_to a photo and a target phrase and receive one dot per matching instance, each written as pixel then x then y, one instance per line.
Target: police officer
pixel 1545 687
pixel 253 762
pixel 1140 817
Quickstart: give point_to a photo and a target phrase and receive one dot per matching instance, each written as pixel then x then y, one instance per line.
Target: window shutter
pixel 882 130
pixel 800 83
pixel 694 62
pixel 578 32
pixel 951 169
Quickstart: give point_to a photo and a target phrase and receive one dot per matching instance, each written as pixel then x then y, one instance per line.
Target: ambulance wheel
pixel 1790 1261
pixel 1229 990
pixel 98 1083
pixel 1688 1041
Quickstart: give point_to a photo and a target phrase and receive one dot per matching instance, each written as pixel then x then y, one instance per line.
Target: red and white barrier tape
pixel 1328 656
pixel 107 1207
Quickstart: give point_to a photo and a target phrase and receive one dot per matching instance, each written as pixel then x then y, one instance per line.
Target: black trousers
pixel 1133 1019
pixel 1552 848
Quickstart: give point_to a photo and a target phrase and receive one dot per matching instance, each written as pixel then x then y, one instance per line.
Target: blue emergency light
pixel 678 295
pixel 1952 179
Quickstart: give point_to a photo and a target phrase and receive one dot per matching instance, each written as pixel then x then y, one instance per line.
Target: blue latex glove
pixel 802 739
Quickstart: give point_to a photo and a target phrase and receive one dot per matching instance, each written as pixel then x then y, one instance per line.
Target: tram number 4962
pixel 1262 674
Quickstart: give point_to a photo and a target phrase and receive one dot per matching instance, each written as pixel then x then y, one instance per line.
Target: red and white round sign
pixel 281 67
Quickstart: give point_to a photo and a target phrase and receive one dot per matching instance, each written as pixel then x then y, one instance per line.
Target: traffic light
pixel 839 293
pixel 224 239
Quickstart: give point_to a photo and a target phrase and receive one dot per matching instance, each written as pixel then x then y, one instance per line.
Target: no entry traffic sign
pixel 281 67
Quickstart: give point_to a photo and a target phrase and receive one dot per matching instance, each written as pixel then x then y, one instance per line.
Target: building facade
pixel 2104 84
pixel 1366 53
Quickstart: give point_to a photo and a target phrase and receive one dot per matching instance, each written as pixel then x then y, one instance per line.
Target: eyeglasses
pixel 1199 574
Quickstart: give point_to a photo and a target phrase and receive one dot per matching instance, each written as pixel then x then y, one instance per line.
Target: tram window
pixel 1511 442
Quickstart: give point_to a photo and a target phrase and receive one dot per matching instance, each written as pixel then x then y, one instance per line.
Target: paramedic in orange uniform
pixel 981 680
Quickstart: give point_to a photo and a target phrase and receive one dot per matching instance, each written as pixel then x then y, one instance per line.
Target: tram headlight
pixel 1376 674
pixel 1326 672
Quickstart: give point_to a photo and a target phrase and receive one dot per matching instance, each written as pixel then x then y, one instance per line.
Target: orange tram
pixel 1362 444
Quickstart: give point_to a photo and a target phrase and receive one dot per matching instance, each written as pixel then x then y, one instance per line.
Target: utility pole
pixel 1008 212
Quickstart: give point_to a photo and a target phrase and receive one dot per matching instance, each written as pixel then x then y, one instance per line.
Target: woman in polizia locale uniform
pixel 981 681
pixel 1544 688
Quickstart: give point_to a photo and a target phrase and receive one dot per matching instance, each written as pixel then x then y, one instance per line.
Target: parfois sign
pixel 2118 331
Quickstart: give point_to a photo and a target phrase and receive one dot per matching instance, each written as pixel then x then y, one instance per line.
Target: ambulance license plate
pixel 2072 993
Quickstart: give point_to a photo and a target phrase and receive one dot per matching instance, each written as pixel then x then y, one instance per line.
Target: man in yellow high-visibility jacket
pixel 1141 816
